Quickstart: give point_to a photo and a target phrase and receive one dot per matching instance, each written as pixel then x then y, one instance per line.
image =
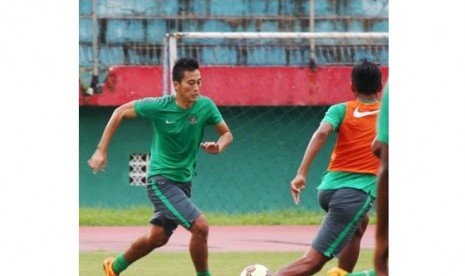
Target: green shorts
pixel 344 210
pixel 172 203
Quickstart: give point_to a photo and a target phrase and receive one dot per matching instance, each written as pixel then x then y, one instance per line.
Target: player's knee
pixel 158 241
pixel 362 226
pixel 157 237
pixel 200 226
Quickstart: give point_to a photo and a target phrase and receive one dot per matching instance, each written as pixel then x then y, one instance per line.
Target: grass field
pixel 221 264
pixel 138 216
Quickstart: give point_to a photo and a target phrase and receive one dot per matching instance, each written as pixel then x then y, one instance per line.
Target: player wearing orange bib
pixel 348 187
pixel 355 122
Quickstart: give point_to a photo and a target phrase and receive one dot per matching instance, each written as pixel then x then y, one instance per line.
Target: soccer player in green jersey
pixel 179 122
pixel 382 211
pixel 381 149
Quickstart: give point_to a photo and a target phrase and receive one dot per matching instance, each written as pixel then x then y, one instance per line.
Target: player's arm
pixel 376 147
pixel 314 146
pixel 98 161
pixel 382 213
pixel 225 138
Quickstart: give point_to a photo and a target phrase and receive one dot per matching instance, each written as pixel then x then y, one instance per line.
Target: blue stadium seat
pixel 228 7
pixel 131 36
pixel 355 26
pixel 125 30
pixel 85 7
pixel 156 30
pixel 111 55
pixel 85 55
pixel 85 30
pixel 380 26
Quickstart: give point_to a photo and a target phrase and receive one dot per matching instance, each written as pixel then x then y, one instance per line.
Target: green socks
pixel 119 264
pixel 369 272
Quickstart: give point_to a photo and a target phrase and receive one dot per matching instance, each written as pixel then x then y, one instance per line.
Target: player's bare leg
pixel 349 255
pixel 309 264
pixel 146 243
pixel 198 245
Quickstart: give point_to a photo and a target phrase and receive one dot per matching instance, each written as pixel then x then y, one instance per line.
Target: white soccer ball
pixel 256 270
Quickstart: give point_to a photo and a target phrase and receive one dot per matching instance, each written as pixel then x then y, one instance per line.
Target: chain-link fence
pixel 254 173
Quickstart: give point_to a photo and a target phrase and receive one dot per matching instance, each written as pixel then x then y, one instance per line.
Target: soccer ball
pixel 256 270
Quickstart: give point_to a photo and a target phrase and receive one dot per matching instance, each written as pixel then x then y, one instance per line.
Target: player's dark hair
pixel 182 65
pixel 366 77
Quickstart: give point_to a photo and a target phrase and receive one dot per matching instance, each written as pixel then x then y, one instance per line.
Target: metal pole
pixel 166 66
pixel 95 63
pixel 312 30
pixel 258 35
pixel 173 54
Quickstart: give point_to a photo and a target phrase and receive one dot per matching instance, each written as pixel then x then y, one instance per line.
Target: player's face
pixel 188 90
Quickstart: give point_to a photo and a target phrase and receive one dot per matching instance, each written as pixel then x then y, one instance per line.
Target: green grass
pixel 221 264
pixel 139 216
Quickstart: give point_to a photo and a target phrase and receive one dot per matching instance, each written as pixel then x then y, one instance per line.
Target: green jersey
pixel 383 119
pixel 177 134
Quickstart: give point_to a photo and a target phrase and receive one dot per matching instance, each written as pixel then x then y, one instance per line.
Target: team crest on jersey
pixel 192 119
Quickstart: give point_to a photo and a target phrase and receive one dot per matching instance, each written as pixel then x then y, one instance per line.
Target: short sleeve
pixel 215 115
pixel 334 115
pixel 147 107
pixel 383 119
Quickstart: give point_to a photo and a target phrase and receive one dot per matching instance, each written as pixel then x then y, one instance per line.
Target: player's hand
pixel 376 148
pixel 210 147
pixel 297 185
pixel 98 161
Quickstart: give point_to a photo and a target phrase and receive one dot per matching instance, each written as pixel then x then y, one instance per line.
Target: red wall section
pixel 126 83
pixel 236 86
pixel 277 86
